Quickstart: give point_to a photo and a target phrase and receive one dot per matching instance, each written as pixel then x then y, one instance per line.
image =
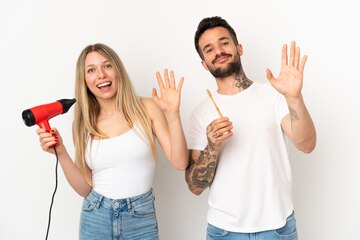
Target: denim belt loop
pixel 99 200
pixel 128 203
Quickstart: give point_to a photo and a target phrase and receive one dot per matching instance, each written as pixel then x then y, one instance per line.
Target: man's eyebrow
pixel 220 39
pixel 224 38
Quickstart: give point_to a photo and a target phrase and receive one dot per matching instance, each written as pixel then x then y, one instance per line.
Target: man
pixel 243 156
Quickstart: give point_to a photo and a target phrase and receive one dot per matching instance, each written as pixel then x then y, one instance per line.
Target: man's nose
pixel 218 50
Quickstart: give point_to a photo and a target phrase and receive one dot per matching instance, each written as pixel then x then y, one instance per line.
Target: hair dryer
pixel 40 115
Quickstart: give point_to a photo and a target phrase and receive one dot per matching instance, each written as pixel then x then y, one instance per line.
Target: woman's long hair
pixel 87 108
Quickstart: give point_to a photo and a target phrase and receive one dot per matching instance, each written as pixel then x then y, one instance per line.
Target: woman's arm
pixel 71 171
pixel 165 116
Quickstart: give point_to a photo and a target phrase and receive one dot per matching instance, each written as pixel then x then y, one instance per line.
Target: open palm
pixel 169 100
pixel 290 80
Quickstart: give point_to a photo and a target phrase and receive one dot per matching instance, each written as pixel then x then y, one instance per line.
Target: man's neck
pixel 233 84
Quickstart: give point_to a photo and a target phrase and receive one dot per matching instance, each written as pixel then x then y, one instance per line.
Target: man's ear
pixel 240 49
pixel 204 64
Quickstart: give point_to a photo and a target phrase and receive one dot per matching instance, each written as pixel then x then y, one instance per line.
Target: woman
pixel 114 135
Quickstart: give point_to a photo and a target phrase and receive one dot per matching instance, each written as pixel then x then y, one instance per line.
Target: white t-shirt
pixel 122 166
pixel 252 188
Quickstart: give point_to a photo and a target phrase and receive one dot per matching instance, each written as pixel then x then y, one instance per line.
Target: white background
pixel 41 40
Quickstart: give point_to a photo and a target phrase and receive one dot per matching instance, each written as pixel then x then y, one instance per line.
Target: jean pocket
pixel 215 231
pixel 289 230
pixel 145 209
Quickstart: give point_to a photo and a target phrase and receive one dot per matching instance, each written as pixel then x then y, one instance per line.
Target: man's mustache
pixel 220 55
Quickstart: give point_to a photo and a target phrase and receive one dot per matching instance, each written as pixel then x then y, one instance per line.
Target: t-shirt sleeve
pixel 197 139
pixel 282 107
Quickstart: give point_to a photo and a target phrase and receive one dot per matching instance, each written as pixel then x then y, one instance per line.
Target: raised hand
pixel 169 100
pixel 290 80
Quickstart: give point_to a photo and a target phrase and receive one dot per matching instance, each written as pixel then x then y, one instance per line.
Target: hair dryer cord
pixel 53 196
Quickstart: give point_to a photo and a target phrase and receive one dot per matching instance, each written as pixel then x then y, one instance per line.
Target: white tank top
pixel 121 166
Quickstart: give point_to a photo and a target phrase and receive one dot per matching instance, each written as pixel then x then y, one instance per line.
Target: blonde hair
pixel 87 108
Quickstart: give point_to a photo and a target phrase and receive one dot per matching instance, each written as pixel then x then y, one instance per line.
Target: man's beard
pixel 231 68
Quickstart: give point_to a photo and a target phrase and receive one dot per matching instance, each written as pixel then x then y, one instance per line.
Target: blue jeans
pixel 287 232
pixel 120 219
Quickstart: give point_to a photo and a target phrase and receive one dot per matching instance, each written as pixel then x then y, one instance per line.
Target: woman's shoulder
pixel 150 106
pixel 148 102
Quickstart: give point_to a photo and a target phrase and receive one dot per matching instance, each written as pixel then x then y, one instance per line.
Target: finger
pixel 220 125
pixel 48 145
pixel 40 131
pixel 154 95
pixel 284 56
pixel 181 82
pixel 160 81
pixel 270 76
pixel 224 136
pixel 297 57
pixel 216 124
pixel 292 53
pixel 219 120
pixel 172 79
pixel 166 77
pixel 222 128
pixel 47 142
pixel 302 63
pixel 44 134
pixel 219 131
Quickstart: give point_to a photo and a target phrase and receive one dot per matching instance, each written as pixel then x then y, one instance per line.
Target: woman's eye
pixel 108 66
pixel 90 70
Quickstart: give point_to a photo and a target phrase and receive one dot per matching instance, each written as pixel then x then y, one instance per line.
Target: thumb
pixel 270 76
pixel 154 95
pixel 55 132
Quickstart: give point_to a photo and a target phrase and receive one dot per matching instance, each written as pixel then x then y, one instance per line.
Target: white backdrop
pixel 41 40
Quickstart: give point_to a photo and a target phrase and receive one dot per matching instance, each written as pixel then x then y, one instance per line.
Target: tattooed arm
pixel 298 125
pixel 201 170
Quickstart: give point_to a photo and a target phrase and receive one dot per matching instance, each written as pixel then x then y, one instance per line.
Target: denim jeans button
pixel 116 204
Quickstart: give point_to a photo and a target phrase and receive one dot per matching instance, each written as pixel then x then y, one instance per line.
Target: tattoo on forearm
pixel 293 114
pixel 201 171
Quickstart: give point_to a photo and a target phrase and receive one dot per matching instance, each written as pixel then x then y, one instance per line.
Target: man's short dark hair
pixel 212 22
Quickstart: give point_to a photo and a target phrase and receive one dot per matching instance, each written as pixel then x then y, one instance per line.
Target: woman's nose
pixel 102 73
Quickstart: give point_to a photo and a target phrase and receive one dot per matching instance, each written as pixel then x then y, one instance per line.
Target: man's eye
pixel 209 50
pixel 225 43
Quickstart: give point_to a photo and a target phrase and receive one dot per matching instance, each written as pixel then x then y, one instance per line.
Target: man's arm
pixel 298 125
pixel 201 170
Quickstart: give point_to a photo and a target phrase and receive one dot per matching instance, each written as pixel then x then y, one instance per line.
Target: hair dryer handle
pixel 45 125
